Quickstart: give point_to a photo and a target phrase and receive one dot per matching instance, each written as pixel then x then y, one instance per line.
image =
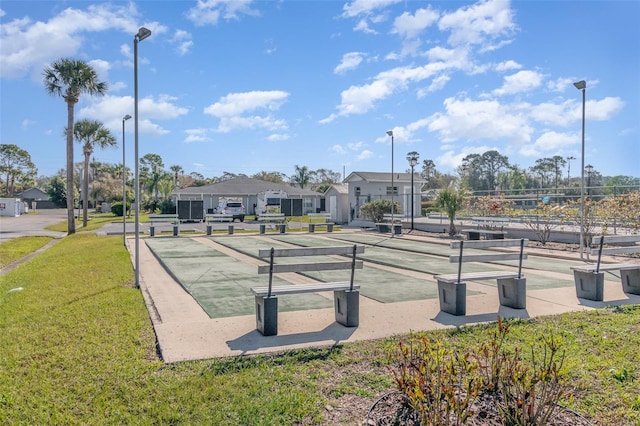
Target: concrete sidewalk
pixel 185 332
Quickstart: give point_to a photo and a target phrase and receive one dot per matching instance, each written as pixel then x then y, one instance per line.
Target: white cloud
pixel 365 7
pixel 209 12
pixel 102 69
pixel 410 26
pixel 438 83
pixel 197 135
pixel 183 42
pixel 507 66
pixel 278 137
pixel 239 103
pixel 570 111
pixel 228 124
pixel 162 108
pixel 338 149
pixel 360 99
pixel 27 123
pixel 356 146
pixel 363 26
pixel 235 110
pixel 522 81
pixel 550 141
pixel 468 119
pixel 349 62
pixel 556 113
pixel 560 84
pixel 29 46
pixel 111 109
pixel 26 46
pixel 604 109
pixel 365 154
pixel 479 23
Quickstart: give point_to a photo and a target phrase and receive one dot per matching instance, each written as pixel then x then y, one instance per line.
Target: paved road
pixel 33 223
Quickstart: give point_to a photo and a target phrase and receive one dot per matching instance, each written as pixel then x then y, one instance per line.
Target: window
pixel 308 203
pixel 395 190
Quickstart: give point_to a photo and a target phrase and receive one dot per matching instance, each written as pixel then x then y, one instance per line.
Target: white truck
pixel 269 201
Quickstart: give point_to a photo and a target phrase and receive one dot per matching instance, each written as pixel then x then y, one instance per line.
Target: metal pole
pixel 584 89
pixel 124 185
pixel 142 34
pixel 412 166
pixel 392 188
pixel 124 192
pixel 136 177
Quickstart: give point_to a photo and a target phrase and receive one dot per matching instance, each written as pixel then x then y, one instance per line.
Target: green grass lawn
pixel 77 347
pixel 16 248
pixel 96 221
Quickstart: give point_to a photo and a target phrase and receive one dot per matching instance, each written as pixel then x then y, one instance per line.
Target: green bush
pixel 167 207
pixel 376 209
pixel 116 209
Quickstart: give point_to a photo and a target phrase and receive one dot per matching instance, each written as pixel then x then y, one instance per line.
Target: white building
pixel 364 187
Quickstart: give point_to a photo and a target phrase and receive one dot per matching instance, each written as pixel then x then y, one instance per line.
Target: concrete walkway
pixel 185 332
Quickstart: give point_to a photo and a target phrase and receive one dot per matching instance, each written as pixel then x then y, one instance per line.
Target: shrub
pixel 442 384
pixel 167 207
pixel 116 209
pixel 376 209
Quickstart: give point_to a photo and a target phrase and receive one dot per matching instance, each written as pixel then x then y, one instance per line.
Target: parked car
pixel 235 208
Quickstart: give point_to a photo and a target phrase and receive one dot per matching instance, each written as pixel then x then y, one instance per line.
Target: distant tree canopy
pixel 17 169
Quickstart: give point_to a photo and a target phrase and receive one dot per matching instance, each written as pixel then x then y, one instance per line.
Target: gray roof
pixel 380 177
pixel 246 186
pixel 35 193
pixel 339 188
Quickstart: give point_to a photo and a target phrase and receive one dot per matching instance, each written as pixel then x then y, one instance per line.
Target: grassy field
pixel 78 348
pixel 17 248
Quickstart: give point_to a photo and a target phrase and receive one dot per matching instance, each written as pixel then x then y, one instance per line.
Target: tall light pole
pixel 589 169
pixel 569 169
pixel 124 186
pixel 582 85
pixel 412 158
pixel 142 34
pixel 390 133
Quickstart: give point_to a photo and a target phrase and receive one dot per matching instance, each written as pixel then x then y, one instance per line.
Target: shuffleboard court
pixel 541 263
pixel 220 283
pixel 382 285
pixel 418 256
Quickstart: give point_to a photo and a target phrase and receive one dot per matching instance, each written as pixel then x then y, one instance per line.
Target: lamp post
pixel 589 169
pixel 390 133
pixel 142 34
pixel 582 85
pixel 412 158
pixel 569 169
pixel 124 186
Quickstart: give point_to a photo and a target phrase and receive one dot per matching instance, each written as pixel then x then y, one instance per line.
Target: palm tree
pixel 70 78
pixel 90 133
pixel 302 176
pixel 451 201
pixel 177 171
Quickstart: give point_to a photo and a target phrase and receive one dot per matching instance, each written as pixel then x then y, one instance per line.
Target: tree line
pixel 491 172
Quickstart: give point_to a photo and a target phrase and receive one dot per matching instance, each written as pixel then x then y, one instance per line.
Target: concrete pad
pixel 185 332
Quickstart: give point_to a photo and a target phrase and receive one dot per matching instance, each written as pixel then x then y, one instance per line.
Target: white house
pixel 364 187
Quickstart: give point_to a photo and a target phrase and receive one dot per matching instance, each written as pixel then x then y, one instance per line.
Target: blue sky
pixel 247 86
